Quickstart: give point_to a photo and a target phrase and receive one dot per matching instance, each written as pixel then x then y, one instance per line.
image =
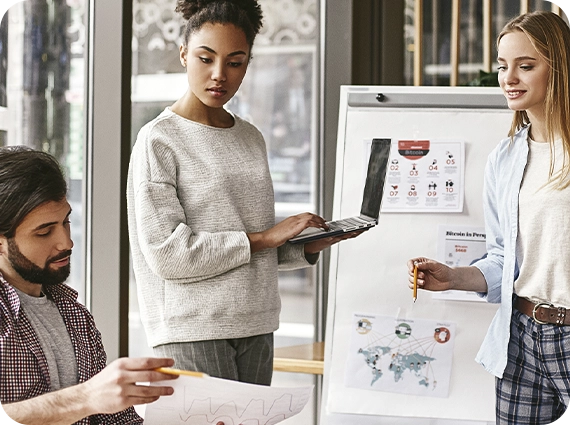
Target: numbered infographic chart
pixel 425 176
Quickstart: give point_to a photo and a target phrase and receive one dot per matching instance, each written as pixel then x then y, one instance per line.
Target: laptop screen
pixel 375 177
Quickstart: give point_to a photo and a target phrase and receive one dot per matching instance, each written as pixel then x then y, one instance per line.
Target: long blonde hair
pixel 550 36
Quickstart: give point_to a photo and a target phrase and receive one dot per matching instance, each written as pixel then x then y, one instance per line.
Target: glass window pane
pixel 42 84
pixel 437 37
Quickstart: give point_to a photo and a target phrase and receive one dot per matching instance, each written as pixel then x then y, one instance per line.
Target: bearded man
pixel 52 362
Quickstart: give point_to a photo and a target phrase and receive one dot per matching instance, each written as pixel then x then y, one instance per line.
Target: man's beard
pixel 33 273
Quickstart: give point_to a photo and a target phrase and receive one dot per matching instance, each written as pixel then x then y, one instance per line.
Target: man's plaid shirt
pixel 23 366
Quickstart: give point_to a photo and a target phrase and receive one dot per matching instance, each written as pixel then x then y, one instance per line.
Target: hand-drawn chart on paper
pixel 205 401
pixel 400 355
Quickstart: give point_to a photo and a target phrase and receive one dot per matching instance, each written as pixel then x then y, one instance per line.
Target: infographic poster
pixel 425 176
pixel 400 355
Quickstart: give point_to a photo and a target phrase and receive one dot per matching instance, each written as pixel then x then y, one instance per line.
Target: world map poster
pixel 410 356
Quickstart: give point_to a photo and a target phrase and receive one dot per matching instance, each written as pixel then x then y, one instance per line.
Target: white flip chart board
pixel 369 274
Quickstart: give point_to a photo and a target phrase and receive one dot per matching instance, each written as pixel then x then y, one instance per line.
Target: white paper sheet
pixel 205 401
pixel 459 246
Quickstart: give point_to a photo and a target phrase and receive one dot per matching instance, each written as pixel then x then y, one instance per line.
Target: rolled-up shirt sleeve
pixel 492 264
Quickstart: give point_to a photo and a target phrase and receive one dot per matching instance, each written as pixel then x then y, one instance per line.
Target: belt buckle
pixel 536 307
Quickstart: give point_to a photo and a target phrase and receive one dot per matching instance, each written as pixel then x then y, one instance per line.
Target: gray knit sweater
pixel 193 192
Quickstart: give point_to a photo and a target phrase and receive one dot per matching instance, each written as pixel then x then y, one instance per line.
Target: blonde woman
pixel 527 217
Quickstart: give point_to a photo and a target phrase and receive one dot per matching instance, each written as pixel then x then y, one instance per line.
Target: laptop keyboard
pixel 347 224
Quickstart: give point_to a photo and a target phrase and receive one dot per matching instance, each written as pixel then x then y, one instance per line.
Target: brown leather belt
pixel 543 313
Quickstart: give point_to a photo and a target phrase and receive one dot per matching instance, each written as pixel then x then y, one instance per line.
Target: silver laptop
pixel 371 199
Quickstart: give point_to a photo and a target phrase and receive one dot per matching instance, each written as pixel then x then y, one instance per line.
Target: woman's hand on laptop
pixel 285 230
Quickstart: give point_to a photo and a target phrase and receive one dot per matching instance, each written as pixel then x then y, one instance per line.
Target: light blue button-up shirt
pixel 503 176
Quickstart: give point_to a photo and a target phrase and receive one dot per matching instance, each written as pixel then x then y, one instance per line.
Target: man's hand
pixel 110 391
pixel 117 386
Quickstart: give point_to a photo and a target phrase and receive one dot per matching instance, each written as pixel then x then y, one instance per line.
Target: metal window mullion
pixel 418 42
pixel 435 36
pixel 487 35
pixel 455 38
pixel 472 28
pixel 102 178
pixel 335 53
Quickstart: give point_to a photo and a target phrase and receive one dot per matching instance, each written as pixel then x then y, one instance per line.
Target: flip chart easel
pixel 369 274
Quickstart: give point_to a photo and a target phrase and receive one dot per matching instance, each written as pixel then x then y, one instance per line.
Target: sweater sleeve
pixel 292 256
pixel 170 247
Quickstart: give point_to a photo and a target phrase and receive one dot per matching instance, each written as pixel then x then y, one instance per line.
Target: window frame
pixel 106 154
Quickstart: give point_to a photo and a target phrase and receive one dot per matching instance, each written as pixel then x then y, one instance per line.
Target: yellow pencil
pixel 172 371
pixel 415 294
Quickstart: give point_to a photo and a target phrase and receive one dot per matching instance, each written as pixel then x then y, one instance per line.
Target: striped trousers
pixel 242 359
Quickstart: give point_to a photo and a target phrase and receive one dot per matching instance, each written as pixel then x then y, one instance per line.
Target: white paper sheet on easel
pixel 204 401
pixel 457 246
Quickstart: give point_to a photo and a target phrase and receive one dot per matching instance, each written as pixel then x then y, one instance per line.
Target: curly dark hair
pixel 28 179
pixel 244 14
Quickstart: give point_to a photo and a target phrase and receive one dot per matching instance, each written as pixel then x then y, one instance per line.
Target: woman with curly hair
pixel 205 246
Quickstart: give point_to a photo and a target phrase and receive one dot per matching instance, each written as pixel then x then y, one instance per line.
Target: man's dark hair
pixel 28 179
